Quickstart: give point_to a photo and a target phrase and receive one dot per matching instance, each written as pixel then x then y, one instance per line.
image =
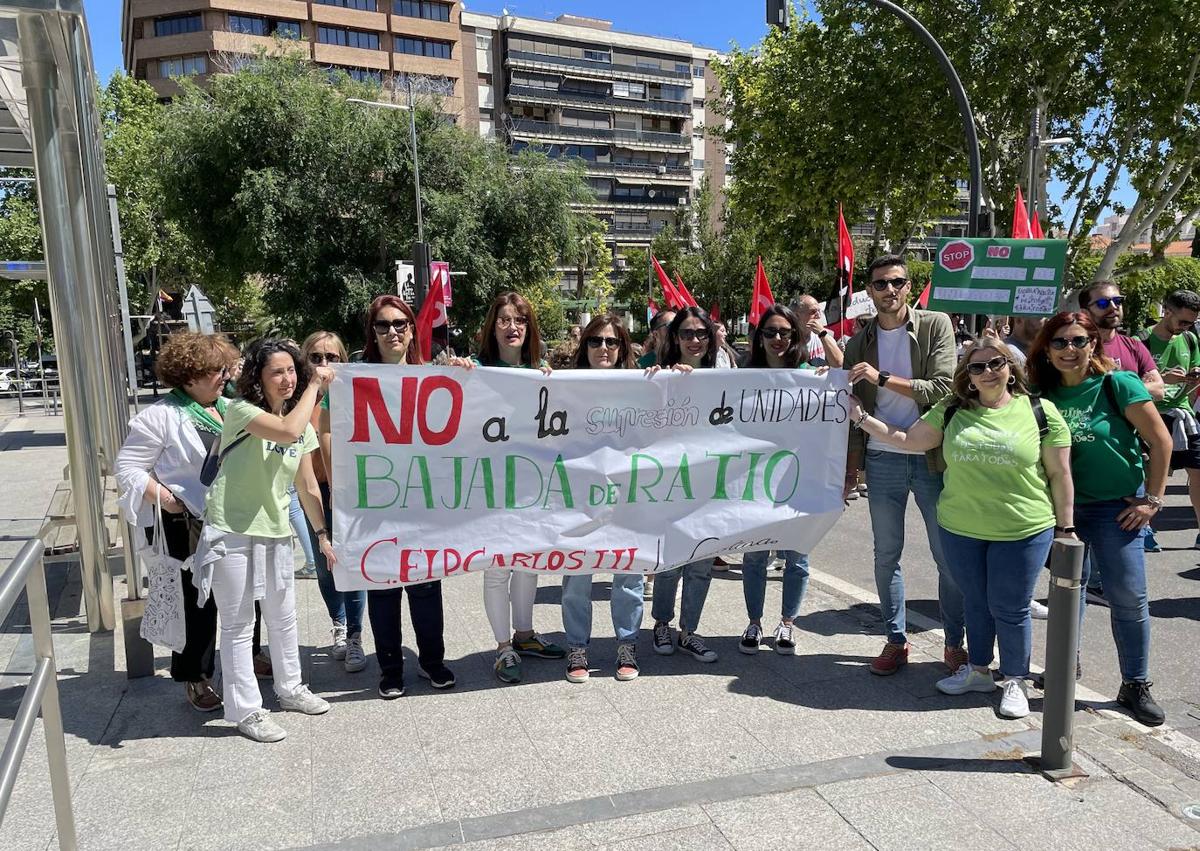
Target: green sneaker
pixel 535 645
pixel 508 666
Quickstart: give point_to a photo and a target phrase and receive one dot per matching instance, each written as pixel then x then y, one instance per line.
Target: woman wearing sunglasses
pixel 1007 488
pixel 1108 410
pixel 510 338
pixel 777 343
pixel 324 348
pixel 604 344
pixel 391 329
pixel 691 344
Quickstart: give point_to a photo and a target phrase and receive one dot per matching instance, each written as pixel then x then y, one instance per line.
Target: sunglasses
pixel 777 333
pixel 318 358
pixel 882 284
pixel 607 342
pixel 1106 303
pixel 994 365
pixel 382 326
pixel 1060 343
pixel 690 334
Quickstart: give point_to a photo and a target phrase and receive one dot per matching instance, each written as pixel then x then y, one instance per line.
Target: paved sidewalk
pixel 748 752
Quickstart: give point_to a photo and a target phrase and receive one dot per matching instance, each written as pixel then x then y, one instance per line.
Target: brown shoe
pixel 955 658
pixel 262 666
pixel 890 660
pixel 202 696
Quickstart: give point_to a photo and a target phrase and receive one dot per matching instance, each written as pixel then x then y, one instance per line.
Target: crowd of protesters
pixel 1081 425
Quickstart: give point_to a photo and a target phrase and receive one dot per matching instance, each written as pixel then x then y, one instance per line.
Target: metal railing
pixel 601 69
pixel 532 127
pixel 41 694
pixel 568 97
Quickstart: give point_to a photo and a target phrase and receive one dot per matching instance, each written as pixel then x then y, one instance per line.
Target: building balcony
pixel 595 70
pixel 635 233
pixel 530 128
pixel 642 171
pixel 532 94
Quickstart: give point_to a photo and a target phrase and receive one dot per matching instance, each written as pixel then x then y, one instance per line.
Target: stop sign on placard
pixel 956 256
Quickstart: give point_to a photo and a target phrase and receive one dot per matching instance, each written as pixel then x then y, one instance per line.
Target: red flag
pixel 433 312
pixel 674 299
pixel 923 301
pixel 762 298
pixel 714 312
pixel 653 305
pixel 845 256
pixel 683 291
pixel 1035 227
pixel 1020 225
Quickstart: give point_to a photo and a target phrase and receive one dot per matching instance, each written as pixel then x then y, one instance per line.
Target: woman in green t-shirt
pixel 245 552
pixel 1115 498
pixel 1007 482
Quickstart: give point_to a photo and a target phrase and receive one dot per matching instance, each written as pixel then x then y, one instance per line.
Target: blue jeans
pixel 754 582
pixel 891 477
pixel 300 526
pixel 997 579
pixel 344 607
pixel 625 603
pixel 696 578
pixel 1119 557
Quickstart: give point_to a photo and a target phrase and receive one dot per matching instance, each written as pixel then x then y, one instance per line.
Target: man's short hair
pixel 887 260
pixel 1183 300
pixel 1085 294
pixel 659 320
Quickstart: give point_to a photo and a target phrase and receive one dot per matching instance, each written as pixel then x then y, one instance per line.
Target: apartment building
pixel 633 108
pixel 369 39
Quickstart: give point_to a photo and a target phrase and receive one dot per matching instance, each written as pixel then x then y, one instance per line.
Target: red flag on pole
pixel 672 296
pixel 845 256
pixel 433 311
pixel 714 312
pixel 653 306
pixel 923 301
pixel 683 291
pixel 762 298
pixel 1020 225
pixel 1035 227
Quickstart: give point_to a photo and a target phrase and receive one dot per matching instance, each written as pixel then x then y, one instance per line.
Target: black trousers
pixel 182 532
pixel 425 611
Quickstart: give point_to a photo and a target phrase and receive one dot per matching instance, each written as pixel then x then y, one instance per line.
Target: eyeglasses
pixel 777 333
pixel 1106 303
pixel 882 284
pixel 512 321
pixel 994 365
pixel 319 358
pixel 382 326
pixel 690 334
pixel 1060 343
pixel 607 342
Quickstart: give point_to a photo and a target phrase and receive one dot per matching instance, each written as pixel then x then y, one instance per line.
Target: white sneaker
pixel 303 700
pixel 1014 703
pixel 338 650
pixel 966 679
pixel 1038 611
pixel 356 660
pixel 259 727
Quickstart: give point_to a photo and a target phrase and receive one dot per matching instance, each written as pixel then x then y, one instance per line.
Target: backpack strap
pixel 949 415
pixel 1039 416
pixel 1193 348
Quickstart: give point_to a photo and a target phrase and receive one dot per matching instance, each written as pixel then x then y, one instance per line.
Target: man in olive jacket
pixel 900 365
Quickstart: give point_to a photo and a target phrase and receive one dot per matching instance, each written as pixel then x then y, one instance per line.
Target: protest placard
pixel 1008 277
pixel 442 471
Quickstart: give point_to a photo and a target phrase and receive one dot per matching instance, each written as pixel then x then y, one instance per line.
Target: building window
pixel 682 68
pixel 697 165
pixel 287 29
pixel 348 38
pixel 597 56
pixel 182 66
pixel 360 5
pixel 698 103
pixel 483 42
pixel 247 25
pixel 422 47
pixel 178 25
pixel 622 89
pixel 427 9
pixel 698 71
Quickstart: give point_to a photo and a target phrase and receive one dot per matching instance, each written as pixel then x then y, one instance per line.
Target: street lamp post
pixel 420 252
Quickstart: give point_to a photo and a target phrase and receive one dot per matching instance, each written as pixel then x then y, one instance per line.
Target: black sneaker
pixel 664 643
pixel 439 675
pixel 391 691
pixel 751 639
pixel 693 644
pixel 1135 697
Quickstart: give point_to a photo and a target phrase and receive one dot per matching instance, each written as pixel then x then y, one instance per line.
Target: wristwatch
pixel 884 377
pixel 823 333
pixel 1156 501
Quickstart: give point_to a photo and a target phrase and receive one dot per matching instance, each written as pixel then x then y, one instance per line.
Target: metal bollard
pixel 1062 644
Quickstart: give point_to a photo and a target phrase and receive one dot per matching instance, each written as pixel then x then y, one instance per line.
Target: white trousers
pixel 509 590
pixel 233 588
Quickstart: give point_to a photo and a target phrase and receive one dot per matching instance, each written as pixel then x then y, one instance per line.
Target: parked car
pixel 9 384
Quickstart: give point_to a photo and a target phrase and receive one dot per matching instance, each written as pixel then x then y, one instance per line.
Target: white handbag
pixel 162 622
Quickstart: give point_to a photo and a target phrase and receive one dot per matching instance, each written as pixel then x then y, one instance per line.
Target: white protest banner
pixel 860 305
pixel 440 471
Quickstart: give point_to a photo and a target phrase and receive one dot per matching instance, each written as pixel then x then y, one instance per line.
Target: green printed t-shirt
pixel 1167 354
pixel 1106 458
pixel 995 488
pixel 250 495
pixel 648 359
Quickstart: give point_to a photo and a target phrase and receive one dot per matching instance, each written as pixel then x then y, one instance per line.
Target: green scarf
pixel 201 419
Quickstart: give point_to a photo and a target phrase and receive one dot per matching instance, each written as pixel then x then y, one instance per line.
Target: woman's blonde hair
pixel 961 386
pixel 310 343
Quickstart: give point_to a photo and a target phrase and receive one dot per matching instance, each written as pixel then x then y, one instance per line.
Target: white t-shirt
pixel 816 350
pixel 895 409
